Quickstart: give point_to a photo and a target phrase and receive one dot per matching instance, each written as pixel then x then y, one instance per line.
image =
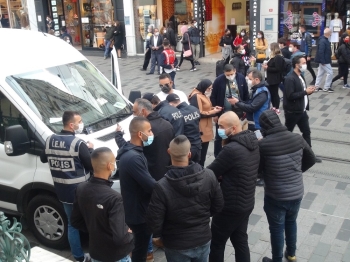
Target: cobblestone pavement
pixel 324 217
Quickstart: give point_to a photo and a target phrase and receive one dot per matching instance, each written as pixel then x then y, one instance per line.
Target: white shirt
pixel 183 98
pixel 305 97
pixel 155 40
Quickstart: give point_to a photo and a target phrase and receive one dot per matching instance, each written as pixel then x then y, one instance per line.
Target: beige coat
pixel 260 46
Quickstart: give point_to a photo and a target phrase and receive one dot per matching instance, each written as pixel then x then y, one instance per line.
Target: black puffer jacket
pixel 283 158
pixel 181 205
pixel 275 68
pixel 344 54
pixel 238 63
pixel 237 164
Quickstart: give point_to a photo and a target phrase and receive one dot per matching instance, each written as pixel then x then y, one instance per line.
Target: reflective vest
pixel 264 107
pixel 67 171
pixel 169 56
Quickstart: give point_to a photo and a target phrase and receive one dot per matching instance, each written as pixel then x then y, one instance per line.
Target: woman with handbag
pixel 186 49
pixel 274 69
pixel 261 46
pixel 118 37
pixel 226 45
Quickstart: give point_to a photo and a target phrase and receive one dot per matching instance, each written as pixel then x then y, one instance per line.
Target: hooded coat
pixel 237 164
pixel 181 206
pixel 284 156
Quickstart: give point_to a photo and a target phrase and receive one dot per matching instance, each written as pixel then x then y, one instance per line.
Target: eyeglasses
pixel 165 85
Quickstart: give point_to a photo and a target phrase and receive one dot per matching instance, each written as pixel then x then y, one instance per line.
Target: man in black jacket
pixel 191 117
pixel 296 100
pixel 227 85
pixel 306 47
pixel 156 46
pixel 182 203
pixel 136 184
pixel 237 165
pixel 284 48
pixel 98 210
pixel 170 35
pixel 167 112
pixel 237 60
pixel 284 157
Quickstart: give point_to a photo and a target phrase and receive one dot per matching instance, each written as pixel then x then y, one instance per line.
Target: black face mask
pixel 165 88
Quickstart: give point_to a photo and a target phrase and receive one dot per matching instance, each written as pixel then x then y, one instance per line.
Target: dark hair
pixel 166 42
pixel 256 74
pixel 64 29
pixel 155 100
pixel 237 47
pixel 303 26
pixel 98 151
pixel 296 60
pixel 180 139
pixel 68 116
pixel 136 124
pixel 164 76
pixel 227 30
pixel 170 24
pixel 262 36
pixel 282 41
pixel 243 30
pixel 229 68
pixel 193 21
pixel 245 39
pixel 295 43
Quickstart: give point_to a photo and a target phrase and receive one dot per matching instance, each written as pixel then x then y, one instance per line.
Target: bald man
pixel 98 210
pixel 324 58
pixel 182 203
pixel 136 183
pixel 237 164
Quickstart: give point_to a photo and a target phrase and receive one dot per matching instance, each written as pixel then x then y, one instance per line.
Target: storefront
pixel 14 14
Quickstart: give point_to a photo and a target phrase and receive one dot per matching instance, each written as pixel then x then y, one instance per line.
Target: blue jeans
pixel 150 245
pixel 73 235
pixel 258 66
pixel 197 254
pixel 107 49
pixel 282 218
pixel 125 259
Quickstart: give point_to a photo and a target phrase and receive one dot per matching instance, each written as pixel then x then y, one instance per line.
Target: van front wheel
pixel 47 221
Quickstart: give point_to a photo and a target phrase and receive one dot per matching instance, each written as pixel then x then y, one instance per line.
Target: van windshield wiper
pixel 115 116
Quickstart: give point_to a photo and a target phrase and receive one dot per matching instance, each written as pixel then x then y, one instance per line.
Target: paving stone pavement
pixel 324 216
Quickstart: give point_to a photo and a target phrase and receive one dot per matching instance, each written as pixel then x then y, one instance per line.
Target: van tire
pixel 47 221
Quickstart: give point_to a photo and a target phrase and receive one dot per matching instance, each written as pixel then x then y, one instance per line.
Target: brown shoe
pixel 150 257
pixel 157 242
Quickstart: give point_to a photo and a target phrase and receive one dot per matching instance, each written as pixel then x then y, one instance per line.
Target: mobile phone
pixel 258 134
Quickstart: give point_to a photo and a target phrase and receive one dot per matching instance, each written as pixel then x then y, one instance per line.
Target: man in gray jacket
pixel 194 33
pixel 284 158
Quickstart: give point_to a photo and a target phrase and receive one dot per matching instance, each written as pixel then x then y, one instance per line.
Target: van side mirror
pixel 16 141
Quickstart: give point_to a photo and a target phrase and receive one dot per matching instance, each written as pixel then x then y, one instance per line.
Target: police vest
pixel 67 171
pixel 169 56
pixel 264 107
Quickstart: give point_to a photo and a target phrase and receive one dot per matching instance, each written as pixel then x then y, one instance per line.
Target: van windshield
pixel 77 87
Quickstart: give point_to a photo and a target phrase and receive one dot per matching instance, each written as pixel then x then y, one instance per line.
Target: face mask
pixel 156 34
pixel 222 132
pixel 164 31
pixel 165 88
pixel 231 78
pixel 346 40
pixel 149 30
pixel 242 34
pixel 259 36
pixel 303 68
pixel 195 24
pixel 208 94
pixel 249 83
pixel 149 140
pixel 290 49
pixel 80 128
pixel 113 171
pixel 243 52
pixel 280 46
pixel 47 19
pixel 248 41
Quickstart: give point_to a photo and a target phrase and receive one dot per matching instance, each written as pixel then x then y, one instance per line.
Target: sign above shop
pixel 254 21
pixel 236 6
pixel 84 20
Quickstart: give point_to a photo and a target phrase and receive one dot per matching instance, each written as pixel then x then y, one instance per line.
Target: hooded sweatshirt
pixel 181 205
pixel 237 164
pixel 283 158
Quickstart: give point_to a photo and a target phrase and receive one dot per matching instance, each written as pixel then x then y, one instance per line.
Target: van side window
pixel 9 116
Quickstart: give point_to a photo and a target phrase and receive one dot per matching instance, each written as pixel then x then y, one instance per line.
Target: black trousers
pixel 142 235
pixel 187 58
pixel 275 98
pixel 196 154
pixel 234 227
pixel 310 69
pixel 300 119
pixel 147 59
pixel 343 71
pixel 204 151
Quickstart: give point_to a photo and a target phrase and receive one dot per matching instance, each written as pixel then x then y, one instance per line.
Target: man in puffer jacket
pixel 284 156
pixel 237 164
pixel 181 205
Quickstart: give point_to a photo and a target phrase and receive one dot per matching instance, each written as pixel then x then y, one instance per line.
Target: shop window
pixel 14 14
pixel 72 21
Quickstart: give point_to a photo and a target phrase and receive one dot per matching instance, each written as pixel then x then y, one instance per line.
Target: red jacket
pixel 238 40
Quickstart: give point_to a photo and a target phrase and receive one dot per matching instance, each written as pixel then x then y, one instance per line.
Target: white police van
pixel 41 76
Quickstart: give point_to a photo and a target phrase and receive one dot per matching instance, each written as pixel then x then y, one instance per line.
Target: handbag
pixel 261 56
pixel 188 52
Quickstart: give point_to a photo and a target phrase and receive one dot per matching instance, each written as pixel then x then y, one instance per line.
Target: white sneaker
pixel 325 89
pixel 346 86
pixel 87 258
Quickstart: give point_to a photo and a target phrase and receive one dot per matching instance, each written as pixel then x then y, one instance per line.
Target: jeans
pixel 142 235
pixel 155 58
pixel 197 254
pixel 275 98
pixel 233 227
pixel 217 142
pixel 258 66
pixel 300 119
pixel 195 51
pixel 310 69
pixel 204 151
pixel 125 259
pixel 107 49
pixel 343 71
pixel 282 216
pixel 73 235
pixel 324 70
pixel 172 75
pixel 150 245
pixel 147 58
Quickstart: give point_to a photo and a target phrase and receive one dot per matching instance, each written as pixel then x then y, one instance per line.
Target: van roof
pixel 24 51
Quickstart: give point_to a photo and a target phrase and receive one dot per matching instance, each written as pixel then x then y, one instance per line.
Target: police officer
pixel 191 116
pixel 168 61
pixel 70 164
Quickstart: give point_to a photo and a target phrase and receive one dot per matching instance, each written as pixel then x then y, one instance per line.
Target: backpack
pixel 287 67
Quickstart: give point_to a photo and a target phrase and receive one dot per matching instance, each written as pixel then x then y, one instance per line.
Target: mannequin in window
pixel 336 26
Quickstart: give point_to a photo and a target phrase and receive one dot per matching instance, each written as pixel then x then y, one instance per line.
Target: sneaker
pixel 193 69
pixel 266 259
pixel 346 86
pixel 330 90
pixel 325 90
pixel 87 258
pixel 105 57
pixel 312 82
pixel 150 257
pixel 177 68
pixel 318 89
pixel 289 258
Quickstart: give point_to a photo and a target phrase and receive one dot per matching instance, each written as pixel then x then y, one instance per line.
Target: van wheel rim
pixel 49 222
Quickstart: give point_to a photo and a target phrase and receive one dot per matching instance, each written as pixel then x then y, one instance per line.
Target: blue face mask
pixel 222 132
pixel 149 140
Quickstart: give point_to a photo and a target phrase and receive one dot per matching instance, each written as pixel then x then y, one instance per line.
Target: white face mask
pixel 80 128
pixel 149 30
pixel 259 36
pixel 303 68
pixel 243 51
pixel 113 171
pixel 164 31
pixel 231 78
pixel 208 93
pixel 242 34
pixel 195 24
pixel 249 83
pixel 156 34
pixel 248 41
pixel 280 46
pixel 290 49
